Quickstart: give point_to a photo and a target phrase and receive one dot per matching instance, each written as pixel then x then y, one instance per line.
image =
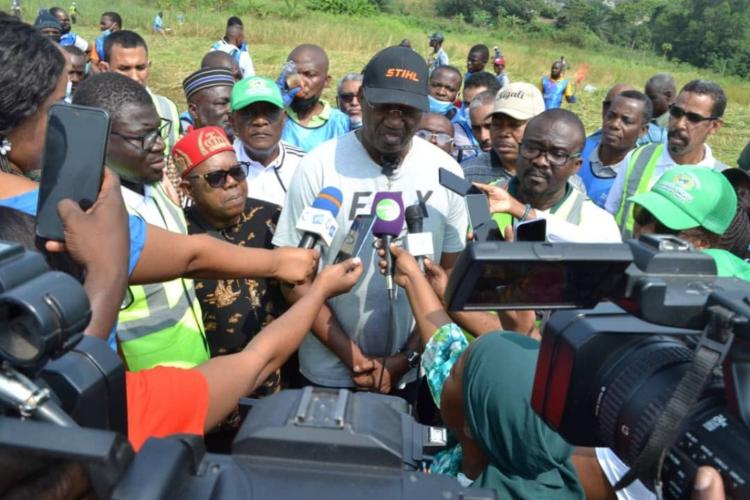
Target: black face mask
pixel 301 105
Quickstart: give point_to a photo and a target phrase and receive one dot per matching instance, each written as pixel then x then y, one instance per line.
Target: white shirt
pixel 272 182
pixel 664 163
pixel 615 469
pixel 244 61
pixel 597 226
pixel 363 312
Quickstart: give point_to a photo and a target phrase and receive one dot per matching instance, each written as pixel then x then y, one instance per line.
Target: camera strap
pixel 712 348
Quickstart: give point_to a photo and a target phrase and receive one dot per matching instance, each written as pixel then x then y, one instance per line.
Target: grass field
pixel 273 29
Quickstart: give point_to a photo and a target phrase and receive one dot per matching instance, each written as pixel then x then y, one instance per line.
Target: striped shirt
pixel 270 183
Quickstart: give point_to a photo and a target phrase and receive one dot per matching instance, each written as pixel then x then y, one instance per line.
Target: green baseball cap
pixel 689 196
pixel 255 89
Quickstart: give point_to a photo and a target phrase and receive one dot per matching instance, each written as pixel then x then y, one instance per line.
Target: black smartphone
pixel 355 238
pixel 457 184
pixel 532 230
pixel 73 164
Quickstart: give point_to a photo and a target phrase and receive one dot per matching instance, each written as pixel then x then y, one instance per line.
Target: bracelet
pixel 526 211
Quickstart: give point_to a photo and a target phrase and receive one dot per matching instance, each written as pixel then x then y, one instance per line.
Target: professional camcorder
pixel 63 394
pixel 660 374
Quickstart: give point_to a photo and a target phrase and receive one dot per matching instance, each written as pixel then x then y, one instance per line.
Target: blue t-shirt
pixel 27 203
pixel 307 138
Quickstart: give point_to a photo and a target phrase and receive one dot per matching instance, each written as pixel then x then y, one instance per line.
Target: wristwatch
pixel 412 357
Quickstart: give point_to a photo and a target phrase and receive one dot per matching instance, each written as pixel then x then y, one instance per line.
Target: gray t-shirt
pixel 363 312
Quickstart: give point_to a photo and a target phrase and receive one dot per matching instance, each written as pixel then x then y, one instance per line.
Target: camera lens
pixel 16 335
pixel 635 390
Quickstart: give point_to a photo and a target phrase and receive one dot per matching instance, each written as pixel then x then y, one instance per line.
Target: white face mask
pixel 69 92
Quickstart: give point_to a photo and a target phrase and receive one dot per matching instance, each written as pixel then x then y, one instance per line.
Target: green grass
pixel 350 42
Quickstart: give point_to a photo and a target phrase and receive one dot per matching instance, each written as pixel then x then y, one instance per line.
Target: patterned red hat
pixel 197 146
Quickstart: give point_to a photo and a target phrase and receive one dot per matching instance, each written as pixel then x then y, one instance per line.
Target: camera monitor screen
pixel 532 275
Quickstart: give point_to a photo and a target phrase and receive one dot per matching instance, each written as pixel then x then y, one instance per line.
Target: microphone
pixel 388 210
pixel 418 243
pixel 319 220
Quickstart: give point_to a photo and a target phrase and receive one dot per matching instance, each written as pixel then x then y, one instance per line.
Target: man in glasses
pixel 350 335
pixel 347 100
pixel 438 130
pixel 695 115
pixel 548 156
pixel 234 310
pixel 258 119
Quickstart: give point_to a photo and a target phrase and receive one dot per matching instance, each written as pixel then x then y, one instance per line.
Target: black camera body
pixel 660 375
pixel 63 397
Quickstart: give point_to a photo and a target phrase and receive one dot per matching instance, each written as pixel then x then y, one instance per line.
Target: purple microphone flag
pixel 388 210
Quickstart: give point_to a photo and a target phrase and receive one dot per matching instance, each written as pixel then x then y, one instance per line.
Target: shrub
pixel 347 7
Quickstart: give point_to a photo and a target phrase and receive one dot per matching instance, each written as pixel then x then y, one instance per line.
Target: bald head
pixel 662 92
pixel 561 120
pixel 310 53
pixel 221 60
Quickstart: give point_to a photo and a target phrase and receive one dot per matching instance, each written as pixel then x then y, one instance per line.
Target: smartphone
pixel 532 230
pixel 457 184
pixel 73 163
pixel 355 238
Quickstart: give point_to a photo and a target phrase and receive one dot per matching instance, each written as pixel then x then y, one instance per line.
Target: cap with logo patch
pixel 519 100
pixel 396 75
pixel 255 89
pixel 691 196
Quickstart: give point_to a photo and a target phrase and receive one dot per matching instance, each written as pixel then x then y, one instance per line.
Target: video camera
pixel 63 395
pixel 660 375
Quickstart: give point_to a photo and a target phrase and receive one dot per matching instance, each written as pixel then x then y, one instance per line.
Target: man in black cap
pixel 350 335
pixel 207 92
pixel 48 26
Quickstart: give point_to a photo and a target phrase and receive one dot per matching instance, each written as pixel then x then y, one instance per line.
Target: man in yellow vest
pixel 159 324
pixel 549 155
pixel 695 115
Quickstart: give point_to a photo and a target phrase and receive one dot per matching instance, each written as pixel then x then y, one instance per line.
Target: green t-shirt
pixel 729 265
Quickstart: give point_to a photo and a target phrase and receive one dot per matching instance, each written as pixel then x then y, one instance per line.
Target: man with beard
pixel 626 119
pixel 549 155
pixel 480 117
pixel 68 37
pixel 514 106
pixel 207 92
pixel 311 119
pixel 695 115
pixel 349 338
pixel 346 98
pixel 257 120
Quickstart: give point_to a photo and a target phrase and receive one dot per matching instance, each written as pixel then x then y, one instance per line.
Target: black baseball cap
pixel 396 75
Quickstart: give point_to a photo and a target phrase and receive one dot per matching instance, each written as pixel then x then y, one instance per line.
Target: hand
pixel 404 264
pixel 294 265
pixel 287 94
pixel 437 277
pixel 99 237
pixel 499 199
pixel 708 485
pixel 368 375
pixel 339 278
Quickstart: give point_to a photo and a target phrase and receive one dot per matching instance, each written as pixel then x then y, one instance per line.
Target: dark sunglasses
pixel 347 96
pixel 677 112
pixel 218 178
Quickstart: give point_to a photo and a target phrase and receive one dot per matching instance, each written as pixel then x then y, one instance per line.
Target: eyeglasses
pixel 677 112
pixel 441 138
pixel 149 138
pixel 218 178
pixel 555 157
pixel 347 96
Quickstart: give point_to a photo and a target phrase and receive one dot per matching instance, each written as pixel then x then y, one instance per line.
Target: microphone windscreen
pixel 329 198
pixel 388 210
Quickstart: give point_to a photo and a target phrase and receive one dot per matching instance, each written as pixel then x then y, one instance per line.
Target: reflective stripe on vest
pixel 162 324
pixel 638 173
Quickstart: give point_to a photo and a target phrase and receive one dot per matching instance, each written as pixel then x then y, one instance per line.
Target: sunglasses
pixel 441 138
pixel 218 178
pixel 347 96
pixel 677 112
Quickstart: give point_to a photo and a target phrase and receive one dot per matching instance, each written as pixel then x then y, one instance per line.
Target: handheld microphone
pixel 418 243
pixel 388 209
pixel 319 220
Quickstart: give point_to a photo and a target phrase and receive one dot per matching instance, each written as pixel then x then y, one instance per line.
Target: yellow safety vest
pixel 638 174
pixel 168 110
pixel 161 323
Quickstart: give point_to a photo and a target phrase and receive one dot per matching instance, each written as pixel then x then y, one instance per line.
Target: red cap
pixel 197 146
pixel 500 60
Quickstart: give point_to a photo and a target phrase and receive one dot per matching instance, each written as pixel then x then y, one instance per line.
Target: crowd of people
pixel 190 252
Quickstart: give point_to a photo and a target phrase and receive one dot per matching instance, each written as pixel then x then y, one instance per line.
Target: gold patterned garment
pixel 235 310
